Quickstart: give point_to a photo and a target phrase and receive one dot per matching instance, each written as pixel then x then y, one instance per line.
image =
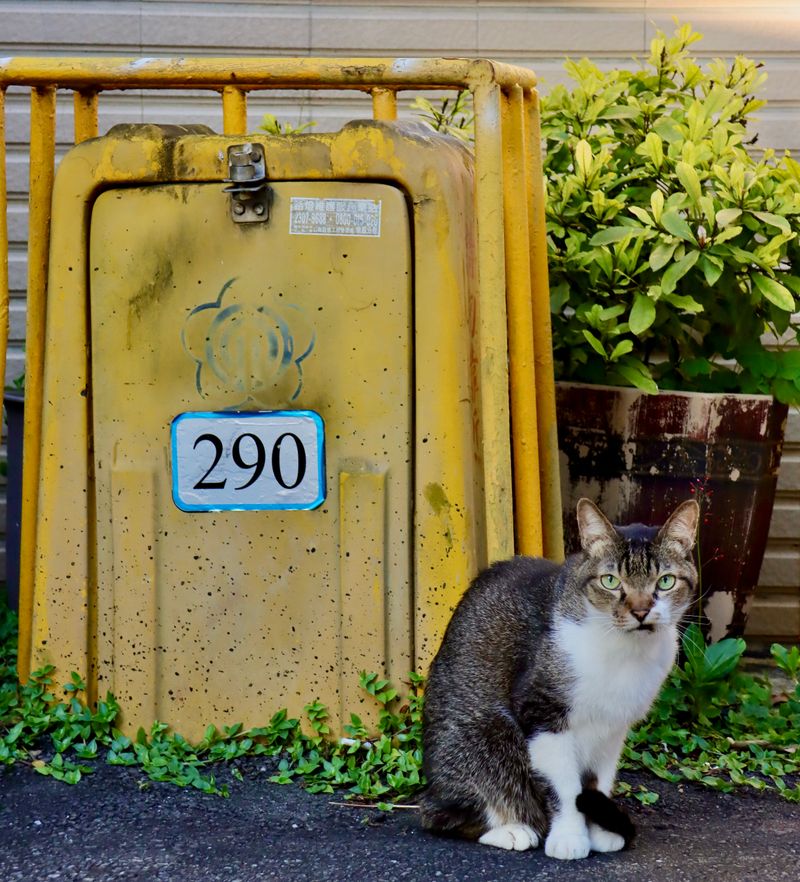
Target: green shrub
pixel 672 245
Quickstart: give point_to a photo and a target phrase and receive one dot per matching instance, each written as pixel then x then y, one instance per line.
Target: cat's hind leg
pixel 453 815
pixel 480 784
pixel 512 837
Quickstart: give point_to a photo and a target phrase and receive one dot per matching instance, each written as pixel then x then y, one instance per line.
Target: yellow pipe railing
pixel 492 322
pixel 520 330
pixel 234 111
pixel 513 323
pixel 549 480
pixel 384 104
pixel 85 112
pixel 258 73
pixel 42 160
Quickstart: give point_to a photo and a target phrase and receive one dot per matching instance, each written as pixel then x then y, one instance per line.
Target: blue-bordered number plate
pixel 226 461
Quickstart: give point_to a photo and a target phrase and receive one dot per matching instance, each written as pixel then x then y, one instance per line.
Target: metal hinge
pixel 251 196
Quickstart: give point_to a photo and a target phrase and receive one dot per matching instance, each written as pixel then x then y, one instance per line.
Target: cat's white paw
pixel 567 845
pixel 512 837
pixel 604 840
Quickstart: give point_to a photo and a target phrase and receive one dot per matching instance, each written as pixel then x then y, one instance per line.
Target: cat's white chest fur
pixel 616 674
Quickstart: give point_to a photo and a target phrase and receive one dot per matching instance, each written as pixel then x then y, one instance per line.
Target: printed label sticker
pixel 334 217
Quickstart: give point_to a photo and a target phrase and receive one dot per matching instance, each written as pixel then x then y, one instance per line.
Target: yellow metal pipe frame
pixel 524 438
pixel 85 111
pixel 506 129
pixel 261 73
pixel 234 111
pixel 384 104
pixel 492 329
pixel 549 478
pixel 42 160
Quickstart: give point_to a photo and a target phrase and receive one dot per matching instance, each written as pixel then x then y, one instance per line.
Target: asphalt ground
pixel 107 827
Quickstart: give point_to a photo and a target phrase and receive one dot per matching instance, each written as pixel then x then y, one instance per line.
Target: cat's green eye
pixel 610 582
pixel 666 582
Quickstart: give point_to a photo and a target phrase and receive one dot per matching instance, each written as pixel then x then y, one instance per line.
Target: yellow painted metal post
pixel 234 111
pixel 85 106
pixel 524 438
pixel 42 157
pixel 492 333
pixel 543 340
pixel 3 237
pixel 384 104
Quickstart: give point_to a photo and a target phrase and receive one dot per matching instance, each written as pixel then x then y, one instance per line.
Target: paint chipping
pixel 719 608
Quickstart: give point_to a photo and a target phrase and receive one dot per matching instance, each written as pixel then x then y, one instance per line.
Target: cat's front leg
pixel 554 756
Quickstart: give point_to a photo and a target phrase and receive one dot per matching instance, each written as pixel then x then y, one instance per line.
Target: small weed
pixel 60 737
pixel 453 116
pixel 273 126
pixel 788 660
pixel 719 727
pixel 711 724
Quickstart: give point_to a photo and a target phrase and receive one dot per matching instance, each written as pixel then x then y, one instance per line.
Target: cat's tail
pixel 606 813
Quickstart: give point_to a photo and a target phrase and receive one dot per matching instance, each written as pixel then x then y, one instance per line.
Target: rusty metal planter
pixel 639 455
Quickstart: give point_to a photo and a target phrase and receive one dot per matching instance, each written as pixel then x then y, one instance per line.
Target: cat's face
pixel 642 578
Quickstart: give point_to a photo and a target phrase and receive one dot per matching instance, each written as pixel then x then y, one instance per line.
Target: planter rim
pixel 663 392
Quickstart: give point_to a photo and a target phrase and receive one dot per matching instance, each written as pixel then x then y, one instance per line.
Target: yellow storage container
pixel 275 442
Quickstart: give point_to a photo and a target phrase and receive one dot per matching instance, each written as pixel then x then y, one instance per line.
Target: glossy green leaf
pixel 690 181
pixel 583 158
pixel 642 315
pixel 676 271
pixel 653 149
pixel 673 223
pixel 614 234
pixel 773 220
pixel 622 348
pixel 726 216
pixel 712 269
pixel 594 343
pixel 684 303
pixel 661 255
pixel 657 205
pixel 636 377
pixel 726 234
pixel 774 292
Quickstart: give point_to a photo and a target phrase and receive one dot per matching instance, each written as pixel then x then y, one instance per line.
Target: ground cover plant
pixel 713 724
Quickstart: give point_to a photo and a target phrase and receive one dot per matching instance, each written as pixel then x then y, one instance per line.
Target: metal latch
pixel 251 196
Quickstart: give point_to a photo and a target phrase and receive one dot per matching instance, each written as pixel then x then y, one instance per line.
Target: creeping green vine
pixel 712 724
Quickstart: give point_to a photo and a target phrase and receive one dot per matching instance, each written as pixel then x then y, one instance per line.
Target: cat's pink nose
pixel 640 614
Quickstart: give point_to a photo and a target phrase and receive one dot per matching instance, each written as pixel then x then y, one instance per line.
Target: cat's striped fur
pixel 542 671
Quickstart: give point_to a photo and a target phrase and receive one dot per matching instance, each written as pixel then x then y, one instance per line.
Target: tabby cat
pixel 541 672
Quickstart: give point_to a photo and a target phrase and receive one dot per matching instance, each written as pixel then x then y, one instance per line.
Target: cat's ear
pixel 594 527
pixel 681 527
